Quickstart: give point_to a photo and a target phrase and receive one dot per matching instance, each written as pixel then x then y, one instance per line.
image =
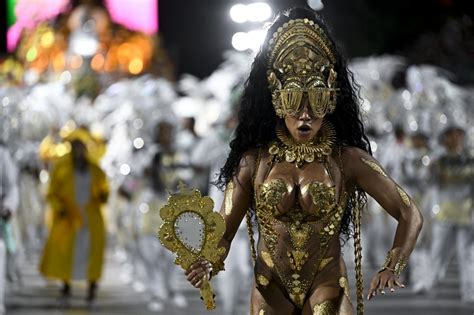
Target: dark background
pixel 441 32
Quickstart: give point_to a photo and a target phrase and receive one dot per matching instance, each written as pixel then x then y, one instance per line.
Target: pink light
pixel 13 36
pixel 30 13
pixel 138 15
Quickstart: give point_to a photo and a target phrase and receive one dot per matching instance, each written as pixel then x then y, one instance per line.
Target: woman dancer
pixel 300 165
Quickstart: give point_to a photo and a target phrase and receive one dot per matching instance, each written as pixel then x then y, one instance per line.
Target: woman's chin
pixel 303 136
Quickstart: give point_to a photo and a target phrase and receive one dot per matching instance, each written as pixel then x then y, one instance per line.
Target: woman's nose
pixel 305 114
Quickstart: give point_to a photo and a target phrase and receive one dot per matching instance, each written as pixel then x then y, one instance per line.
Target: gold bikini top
pixel 323 198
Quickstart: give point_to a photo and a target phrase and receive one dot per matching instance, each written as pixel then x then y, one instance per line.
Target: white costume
pixel 416 174
pixel 212 152
pixel 82 181
pixel 453 222
pixel 159 271
pixel 9 199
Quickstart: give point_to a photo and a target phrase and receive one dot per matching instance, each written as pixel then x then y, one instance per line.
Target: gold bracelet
pixel 386 268
pixel 399 266
pixel 387 262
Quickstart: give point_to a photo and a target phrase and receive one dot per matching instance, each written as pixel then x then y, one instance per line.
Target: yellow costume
pixel 57 260
pixel 51 149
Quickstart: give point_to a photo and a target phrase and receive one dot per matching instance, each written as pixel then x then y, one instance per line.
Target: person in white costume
pixel 159 176
pixel 211 153
pixel 453 221
pixel 186 141
pixel 31 208
pixel 416 177
pixel 9 199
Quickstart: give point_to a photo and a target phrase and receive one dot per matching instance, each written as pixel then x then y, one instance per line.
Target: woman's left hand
pixel 382 280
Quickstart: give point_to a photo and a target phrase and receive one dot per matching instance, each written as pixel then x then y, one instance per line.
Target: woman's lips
pixel 304 130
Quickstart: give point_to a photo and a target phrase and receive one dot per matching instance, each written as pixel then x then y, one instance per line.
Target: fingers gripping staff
pixel 192 231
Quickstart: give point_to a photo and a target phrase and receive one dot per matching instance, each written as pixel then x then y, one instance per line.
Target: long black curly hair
pixel 257 118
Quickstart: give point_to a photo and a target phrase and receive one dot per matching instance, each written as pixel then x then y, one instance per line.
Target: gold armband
pixel 399 265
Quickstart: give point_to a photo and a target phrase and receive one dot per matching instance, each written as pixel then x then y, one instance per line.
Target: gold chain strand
pixel 357 244
pixel 251 238
pixel 358 258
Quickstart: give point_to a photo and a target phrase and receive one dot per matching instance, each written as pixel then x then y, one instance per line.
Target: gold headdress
pixel 301 60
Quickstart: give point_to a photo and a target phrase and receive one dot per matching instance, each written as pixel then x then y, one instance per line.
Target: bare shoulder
pixel 249 158
pixel 352 158
pixel 351 153
pixel 247 166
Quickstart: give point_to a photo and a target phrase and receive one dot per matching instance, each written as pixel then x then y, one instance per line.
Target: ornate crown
pixel 301 60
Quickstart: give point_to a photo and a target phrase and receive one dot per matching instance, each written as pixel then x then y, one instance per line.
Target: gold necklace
pixel 287 149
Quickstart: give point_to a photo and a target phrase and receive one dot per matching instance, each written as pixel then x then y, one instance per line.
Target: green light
pixel 11 17
pixel 31 54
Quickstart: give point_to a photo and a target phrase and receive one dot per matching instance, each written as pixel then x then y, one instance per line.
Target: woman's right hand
pixel 196 273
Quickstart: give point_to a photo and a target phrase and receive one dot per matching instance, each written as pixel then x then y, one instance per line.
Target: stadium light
pixel 254 12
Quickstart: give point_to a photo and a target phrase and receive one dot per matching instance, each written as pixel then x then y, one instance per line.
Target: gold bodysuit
pixel 294 247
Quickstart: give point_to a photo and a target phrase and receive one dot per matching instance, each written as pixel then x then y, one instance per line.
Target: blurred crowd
pixel 85 167
pixel 134 142
pixel 80 172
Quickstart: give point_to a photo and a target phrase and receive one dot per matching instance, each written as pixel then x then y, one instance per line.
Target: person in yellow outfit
pixel 75 247
pixel 57 145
